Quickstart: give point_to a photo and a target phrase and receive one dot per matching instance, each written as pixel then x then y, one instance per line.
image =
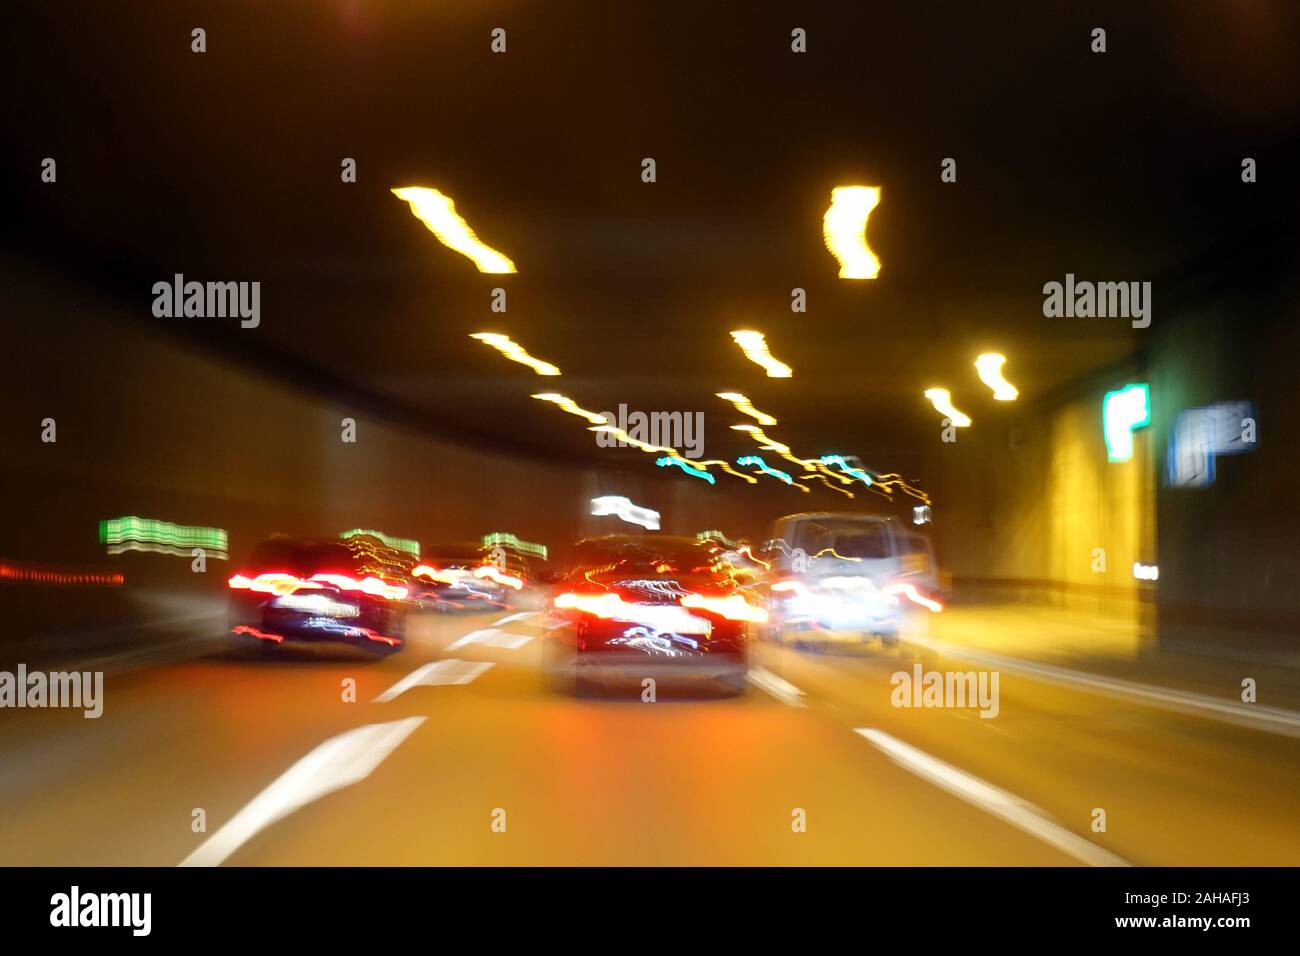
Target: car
pixel 463 576
pixel 295 590
pixel 847 576
pixel 647 606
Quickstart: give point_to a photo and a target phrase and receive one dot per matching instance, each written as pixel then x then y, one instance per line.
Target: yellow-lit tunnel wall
pixel 1029 509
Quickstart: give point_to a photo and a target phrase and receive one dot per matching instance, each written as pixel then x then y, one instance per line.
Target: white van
pixel 847 576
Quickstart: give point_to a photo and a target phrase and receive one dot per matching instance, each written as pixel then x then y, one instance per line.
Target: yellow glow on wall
pixel 941 399
pixel 989 365
pixel 515 352
pixel 844 227
pixel 754 345
pixel 438 213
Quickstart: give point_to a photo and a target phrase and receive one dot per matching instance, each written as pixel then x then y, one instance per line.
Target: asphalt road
pixel 441 760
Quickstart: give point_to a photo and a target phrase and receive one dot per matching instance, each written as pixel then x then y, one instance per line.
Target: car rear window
pixel 644 556
pixel 303 559
pixel 844 538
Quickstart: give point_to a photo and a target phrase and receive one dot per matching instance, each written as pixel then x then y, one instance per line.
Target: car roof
pixel 666 540
pixel 851 515
pixel 355 555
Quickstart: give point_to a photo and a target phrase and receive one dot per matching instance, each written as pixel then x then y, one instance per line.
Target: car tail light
pixel 446 575
pixel 605 605
pixel 500 577
pixel 280 583
pixel 909 591
pixel 609 605
pixel 367 585
pixel 733 607
pixel 255 632
pixel 791 587
pixel 271 582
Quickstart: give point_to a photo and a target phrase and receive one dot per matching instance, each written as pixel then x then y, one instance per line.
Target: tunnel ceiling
pixel 1121 166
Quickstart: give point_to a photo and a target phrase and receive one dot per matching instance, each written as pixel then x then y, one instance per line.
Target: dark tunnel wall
pixel 154 429
pixel 1229 552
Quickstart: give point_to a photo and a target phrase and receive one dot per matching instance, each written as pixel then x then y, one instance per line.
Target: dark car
pixel 353 591
pixel 463 577
pixel 637 606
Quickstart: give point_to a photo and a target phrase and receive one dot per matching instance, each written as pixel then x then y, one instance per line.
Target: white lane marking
pixel 434 674
pixel 778 687
pixel 337 763
pixel 510 641
pixel 521 616
pixel 492 637
pixel 471 637
pixel 1270 719
pixel 1007 806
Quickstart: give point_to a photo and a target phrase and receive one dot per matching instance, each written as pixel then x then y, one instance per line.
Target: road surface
pixel 456 752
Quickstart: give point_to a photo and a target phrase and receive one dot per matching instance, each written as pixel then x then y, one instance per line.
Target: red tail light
pixel 368 585
pixel 281 583
pixel 909 591
pixel 445 576
pixel 500 577
pixel 609 605
pixel 270 582
pixel 733 607
pixel 605 605
pixel 791 586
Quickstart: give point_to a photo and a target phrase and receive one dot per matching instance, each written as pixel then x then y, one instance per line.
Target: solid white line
pixel 1270 719
pixel 987 797
pixel 434 674
pixel 779 688
pixel 337 763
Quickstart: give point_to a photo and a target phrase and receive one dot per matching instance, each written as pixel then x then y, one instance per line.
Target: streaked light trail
pixel 840 462
pixel 745 407
pixel 941 399
pixel 515 352
pixel 438 213
pixel 148 534
pixel 765 468
pixel 668 461
pixel 754 345
pixel 400 544
pixel 844 227
pixel 572 407
pixel 507 540
pixel 622 508
pixel 989 366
